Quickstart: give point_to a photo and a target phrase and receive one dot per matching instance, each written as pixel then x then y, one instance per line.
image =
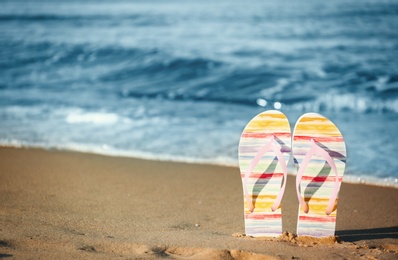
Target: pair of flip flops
pixel 319 154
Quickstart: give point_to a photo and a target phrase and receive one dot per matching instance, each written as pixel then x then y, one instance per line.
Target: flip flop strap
pixel 317 150
pixel 270 145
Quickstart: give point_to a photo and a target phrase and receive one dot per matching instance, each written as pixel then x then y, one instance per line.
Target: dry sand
pixel 64 205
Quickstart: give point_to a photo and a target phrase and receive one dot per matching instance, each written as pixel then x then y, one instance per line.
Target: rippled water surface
pixel 179 80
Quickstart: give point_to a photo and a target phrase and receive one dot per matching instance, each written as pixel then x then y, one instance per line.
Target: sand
pixel 64 205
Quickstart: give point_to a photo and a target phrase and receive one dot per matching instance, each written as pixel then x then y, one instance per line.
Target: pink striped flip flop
pixel 320 154
pixel 264 152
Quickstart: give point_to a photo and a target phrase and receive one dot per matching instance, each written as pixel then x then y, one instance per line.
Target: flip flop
pixel 320 154
pixel 264 152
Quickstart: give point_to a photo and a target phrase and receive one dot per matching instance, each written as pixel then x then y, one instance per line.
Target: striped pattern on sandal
pixel 320 155
pixel 264 151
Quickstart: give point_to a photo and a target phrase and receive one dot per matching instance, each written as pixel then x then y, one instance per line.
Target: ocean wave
pixel 39 17
pixel 156 74
pixel 131 19
pixel 174 69
pixel 26 52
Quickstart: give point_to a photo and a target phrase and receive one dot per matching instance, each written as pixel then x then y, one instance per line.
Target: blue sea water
pixel 179 80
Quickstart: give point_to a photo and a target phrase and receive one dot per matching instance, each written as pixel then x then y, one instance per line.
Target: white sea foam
pixel 348 102
pixel 93 118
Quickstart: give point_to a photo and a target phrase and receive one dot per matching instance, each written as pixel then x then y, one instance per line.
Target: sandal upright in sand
pixel 264 152
pixel 320 154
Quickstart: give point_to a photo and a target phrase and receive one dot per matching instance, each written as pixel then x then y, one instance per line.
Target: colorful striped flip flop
pixel 264 152
pixel 320 154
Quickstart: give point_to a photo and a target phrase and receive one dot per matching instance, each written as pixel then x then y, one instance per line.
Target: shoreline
pixel 372 181
pixel 63 204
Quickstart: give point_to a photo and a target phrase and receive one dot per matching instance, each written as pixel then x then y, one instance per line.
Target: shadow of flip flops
pixel 368 234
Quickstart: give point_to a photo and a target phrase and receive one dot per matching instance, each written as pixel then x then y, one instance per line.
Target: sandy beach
pixel 64 205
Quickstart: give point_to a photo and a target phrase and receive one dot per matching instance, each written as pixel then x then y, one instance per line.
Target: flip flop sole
pixel 263 184
pixel 319 181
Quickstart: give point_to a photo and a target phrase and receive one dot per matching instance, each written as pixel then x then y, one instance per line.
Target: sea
pixel 179 80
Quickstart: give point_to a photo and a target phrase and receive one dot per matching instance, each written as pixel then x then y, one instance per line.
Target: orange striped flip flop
pixel 320 154
pixel 264 152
